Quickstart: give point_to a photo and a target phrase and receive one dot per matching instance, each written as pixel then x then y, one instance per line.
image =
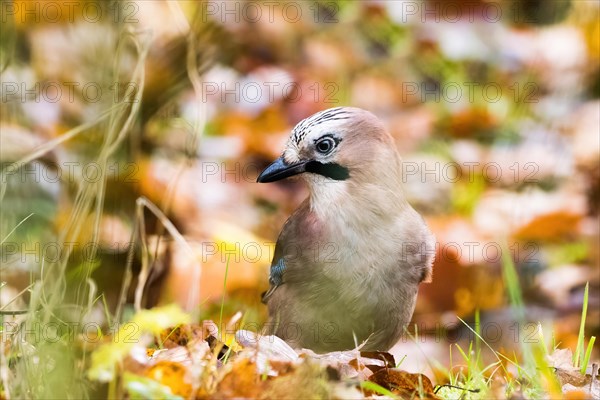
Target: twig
pixel 142 202
pixel 455 387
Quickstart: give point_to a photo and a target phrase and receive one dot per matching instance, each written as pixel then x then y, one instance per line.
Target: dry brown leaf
pixel 183 334
pixel 307 380
pixel 575 385
pixel 387 359
pixel 241 381
pixel 561 358
pixel 403 383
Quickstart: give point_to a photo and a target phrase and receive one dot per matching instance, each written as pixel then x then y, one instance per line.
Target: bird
pixel 349 260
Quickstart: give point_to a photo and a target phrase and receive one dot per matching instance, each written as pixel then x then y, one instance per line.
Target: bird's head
pixel 342 144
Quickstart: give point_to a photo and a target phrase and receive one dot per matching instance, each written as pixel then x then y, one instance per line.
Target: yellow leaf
pixel 107 356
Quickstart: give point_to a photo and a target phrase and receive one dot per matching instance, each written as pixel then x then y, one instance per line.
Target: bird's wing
pixel 275 279
pixel 287 236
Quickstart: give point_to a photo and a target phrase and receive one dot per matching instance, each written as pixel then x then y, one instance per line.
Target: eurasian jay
pixel 348 262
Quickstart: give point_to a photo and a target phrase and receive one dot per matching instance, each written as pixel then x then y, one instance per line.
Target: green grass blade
pixel 511 279
pixel 399 363
pixel 588 354
pixel 462 352
pixel 494 352
pixel 15 228
pixel 223 298
pixel 373 387
pixel 477 340
pixel 578 356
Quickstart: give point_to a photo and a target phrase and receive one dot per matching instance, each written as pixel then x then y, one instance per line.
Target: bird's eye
pixel 325 145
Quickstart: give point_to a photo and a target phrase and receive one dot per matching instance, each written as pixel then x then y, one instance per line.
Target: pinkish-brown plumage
pixel 349 260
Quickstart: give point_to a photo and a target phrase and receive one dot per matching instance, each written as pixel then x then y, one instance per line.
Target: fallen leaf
pixel 241 381
pixel 130 335
pixel 349 364
pixel 387 358
pixel 552 226
pixel 271 353
pixel 140 387
pixel 181 335
pixel 562 362
pixel 307 380
pixel 172 375
pixel 403 383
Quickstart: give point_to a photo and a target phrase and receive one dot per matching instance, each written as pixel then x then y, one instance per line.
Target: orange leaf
pixel 173 375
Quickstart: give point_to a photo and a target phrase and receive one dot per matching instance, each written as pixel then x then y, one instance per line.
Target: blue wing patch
pixel 276 275
pixel 275 278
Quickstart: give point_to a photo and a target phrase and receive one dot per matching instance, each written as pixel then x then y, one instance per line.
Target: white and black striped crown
pixel 299 132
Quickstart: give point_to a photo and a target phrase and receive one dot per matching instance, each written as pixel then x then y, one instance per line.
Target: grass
pixel 475 382
pixel 471 379
pixel 64 294
pixel 55 299
pixel 378 389
pixel 588 355
pixel 534 376
pixel 223 298
pixel 582 356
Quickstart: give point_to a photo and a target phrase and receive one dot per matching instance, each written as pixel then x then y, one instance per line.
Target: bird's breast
pixel 350 275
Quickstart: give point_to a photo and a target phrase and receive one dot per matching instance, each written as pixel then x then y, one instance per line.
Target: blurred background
pixel 494 107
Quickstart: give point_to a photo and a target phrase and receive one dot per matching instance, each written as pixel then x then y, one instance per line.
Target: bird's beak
pixel 279 169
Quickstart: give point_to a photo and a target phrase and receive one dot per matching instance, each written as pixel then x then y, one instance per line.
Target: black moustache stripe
pixel 329 170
